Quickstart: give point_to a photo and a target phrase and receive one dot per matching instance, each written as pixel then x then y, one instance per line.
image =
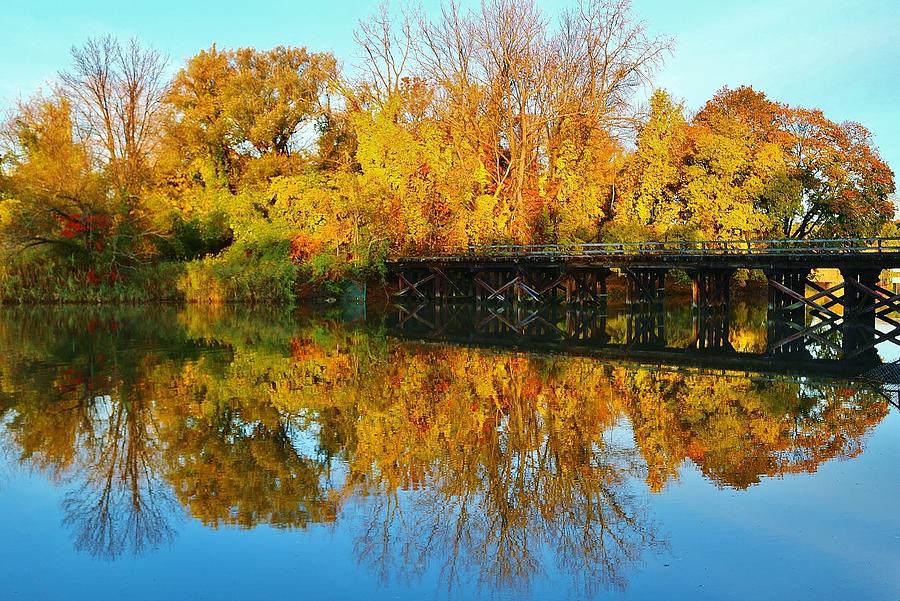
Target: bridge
pixel 525 277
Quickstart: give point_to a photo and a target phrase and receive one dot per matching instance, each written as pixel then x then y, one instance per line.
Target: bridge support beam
pixel 787 291
pixel 495 284
pixel 515 285
pixel 710 300
pixel 586 285
pixel 852 306
pixel 861 294
pixel 862 299
pixel 416 283
pixel 711 288
pixel 548 283
pixel 787 331
pixel 503 284
pixel 451 284
pixel 645 286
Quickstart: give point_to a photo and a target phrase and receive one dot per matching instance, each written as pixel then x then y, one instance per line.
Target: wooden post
pixel 860 312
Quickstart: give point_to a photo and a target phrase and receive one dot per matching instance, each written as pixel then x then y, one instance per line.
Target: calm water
pixel 168 453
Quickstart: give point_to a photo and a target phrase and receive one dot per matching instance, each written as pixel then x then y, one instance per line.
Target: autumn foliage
pixel 496 124
pixel 748 167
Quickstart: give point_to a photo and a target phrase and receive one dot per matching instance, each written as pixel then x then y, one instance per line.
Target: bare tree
pixel 606 57
pixel 387 51
pixel 116 93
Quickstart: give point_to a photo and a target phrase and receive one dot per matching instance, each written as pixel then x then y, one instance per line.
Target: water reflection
pixel 481 463
pixel 741 335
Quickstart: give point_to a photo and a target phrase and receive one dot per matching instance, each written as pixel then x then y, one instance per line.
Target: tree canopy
pixel 496 124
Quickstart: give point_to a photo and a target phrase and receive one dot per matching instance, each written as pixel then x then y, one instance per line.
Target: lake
pixel 236 453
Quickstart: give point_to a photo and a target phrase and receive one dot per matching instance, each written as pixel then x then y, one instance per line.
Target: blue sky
pixel 840 56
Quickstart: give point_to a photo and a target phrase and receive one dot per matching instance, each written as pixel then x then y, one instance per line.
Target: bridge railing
pixel 680 247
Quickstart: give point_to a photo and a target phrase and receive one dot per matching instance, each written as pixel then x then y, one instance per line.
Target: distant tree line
pixel 252 174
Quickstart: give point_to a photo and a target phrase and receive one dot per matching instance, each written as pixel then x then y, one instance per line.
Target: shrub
pixel 196 237
pixel 237 275
pixel 42 278
pixel 625 232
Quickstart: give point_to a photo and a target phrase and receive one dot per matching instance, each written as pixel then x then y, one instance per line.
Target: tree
pixel 116 95
pixel 79 163
pixel 748 167
pixel 810 177
pixel 59 202
pixel 734 154
pixel 529 99
pixel 652 178
pixel 836 184
pixel 52 196
pixel 250 113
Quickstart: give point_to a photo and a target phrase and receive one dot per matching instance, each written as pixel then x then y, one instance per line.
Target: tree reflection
pixel 81 414
pixel 227 468
pixel 510 467
pixel 490 465
pixel 119 503
pixel 738 430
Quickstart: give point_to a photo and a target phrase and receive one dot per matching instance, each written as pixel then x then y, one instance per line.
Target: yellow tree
pixel 761 167
pixel 533 102
pixel 429 191
pixel 651 198
pixel 54 202
pixel 251 113
pixel 725 177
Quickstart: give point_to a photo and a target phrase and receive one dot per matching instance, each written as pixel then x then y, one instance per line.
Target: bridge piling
pixel 586 285
pixel 860 293
pixel 645 286
pixel 710 288
pixel 787 291
pixel 861 302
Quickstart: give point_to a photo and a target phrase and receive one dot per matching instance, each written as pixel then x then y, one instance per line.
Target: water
pixel 185 453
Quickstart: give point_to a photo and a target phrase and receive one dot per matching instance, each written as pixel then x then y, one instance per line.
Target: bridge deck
pixel 856 253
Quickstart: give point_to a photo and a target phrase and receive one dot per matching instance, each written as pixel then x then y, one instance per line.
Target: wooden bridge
pixel 576 275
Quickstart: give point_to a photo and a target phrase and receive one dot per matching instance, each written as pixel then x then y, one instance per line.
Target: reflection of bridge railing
pixel 674 247
pixel 885 378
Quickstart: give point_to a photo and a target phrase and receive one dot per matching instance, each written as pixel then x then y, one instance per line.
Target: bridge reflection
pixel 789 342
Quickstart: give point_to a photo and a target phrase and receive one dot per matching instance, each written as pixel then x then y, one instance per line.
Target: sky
pixel 842 56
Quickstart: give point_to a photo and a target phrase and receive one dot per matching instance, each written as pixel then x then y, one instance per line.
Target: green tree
pixel 653 176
